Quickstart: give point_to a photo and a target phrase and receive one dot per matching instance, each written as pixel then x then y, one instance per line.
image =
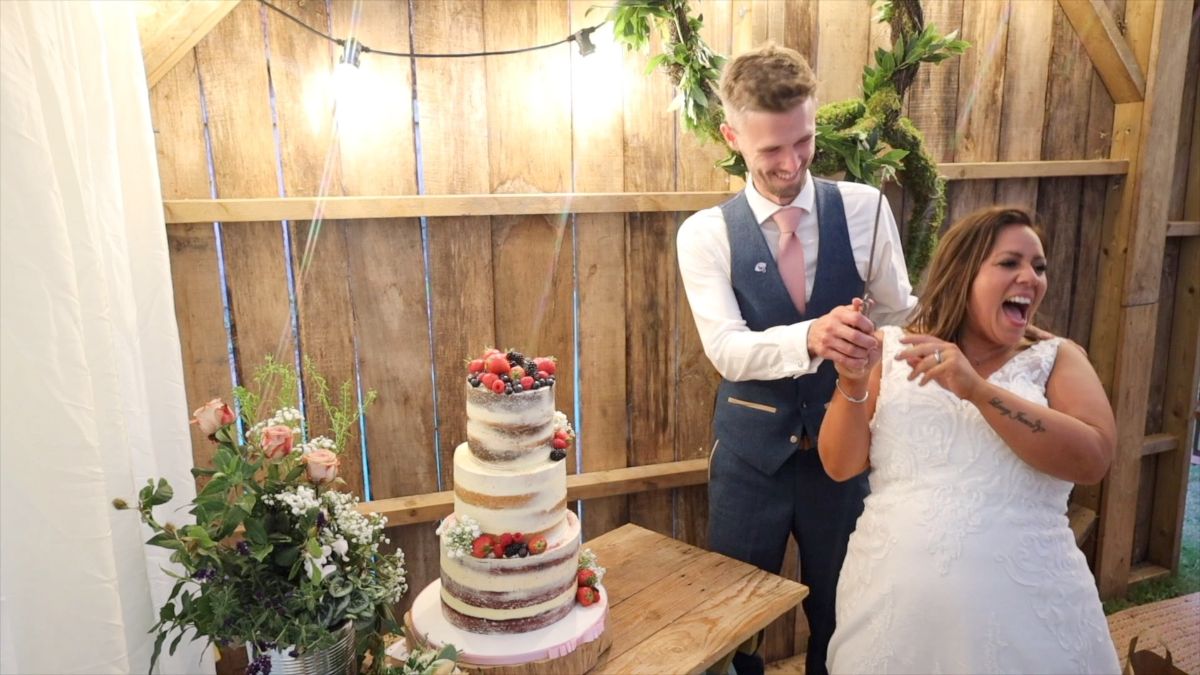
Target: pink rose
pixel 212 416
pixel 322 465
pixel 277 441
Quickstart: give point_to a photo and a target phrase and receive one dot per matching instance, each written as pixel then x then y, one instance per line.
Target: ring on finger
pixel 937 355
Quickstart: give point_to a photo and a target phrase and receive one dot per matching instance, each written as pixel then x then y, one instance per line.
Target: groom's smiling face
pixel 1009 286
pixel 778 147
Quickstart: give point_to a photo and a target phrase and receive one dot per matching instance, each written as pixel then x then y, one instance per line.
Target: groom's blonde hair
pixel 942 309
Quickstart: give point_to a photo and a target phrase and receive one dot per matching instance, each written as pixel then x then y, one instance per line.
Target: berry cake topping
pixel 510 372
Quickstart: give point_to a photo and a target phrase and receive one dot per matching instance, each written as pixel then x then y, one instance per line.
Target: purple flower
pixel 204 574
pixel 243 547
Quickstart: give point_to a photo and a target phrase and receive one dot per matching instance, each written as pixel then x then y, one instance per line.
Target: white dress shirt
pixel 739 353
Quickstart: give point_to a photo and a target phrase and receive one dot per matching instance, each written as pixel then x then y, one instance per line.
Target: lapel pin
pixel 760 267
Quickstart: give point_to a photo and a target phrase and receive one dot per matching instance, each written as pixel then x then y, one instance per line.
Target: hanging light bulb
pixel 347 80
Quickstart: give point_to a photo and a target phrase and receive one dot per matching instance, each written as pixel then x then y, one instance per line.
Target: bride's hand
pixel 942 362
pixel 874 354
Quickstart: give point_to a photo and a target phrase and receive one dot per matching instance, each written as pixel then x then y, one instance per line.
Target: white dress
pixel 963 560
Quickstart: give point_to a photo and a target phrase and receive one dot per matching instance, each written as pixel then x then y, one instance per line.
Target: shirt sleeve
pixel 737 352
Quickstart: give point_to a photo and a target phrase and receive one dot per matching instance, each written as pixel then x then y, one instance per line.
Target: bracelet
pixel 838 383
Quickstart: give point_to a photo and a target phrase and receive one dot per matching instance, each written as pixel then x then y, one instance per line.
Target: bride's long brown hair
pixel 942 307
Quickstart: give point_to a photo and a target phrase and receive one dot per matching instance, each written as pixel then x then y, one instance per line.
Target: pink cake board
pixel 560 638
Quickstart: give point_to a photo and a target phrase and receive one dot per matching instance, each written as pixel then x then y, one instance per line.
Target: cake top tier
pixel 511 372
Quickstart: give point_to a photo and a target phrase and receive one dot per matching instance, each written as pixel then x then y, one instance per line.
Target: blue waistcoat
pixel 758 419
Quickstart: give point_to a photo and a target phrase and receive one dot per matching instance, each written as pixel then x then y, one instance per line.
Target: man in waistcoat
pixel 771 277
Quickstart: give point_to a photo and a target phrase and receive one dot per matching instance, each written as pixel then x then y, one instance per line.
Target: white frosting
pixel 530 499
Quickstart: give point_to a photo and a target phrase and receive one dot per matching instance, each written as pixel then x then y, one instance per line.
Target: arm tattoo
pixel 1034 425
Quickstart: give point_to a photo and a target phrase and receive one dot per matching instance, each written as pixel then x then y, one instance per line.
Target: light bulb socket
pixel 351 51
pixel 583 38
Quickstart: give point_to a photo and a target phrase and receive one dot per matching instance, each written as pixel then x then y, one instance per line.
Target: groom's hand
pixel 844 336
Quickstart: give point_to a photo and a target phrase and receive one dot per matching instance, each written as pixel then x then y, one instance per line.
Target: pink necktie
pixel 791 254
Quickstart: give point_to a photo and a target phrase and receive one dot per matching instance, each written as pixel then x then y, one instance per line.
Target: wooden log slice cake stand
pixel 570 645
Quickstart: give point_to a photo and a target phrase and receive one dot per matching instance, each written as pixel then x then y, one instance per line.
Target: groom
pixel 770 276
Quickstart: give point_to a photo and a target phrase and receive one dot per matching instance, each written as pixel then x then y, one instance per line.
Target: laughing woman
pixel 963 560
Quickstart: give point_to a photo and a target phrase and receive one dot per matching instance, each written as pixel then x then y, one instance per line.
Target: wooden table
pixel 675 608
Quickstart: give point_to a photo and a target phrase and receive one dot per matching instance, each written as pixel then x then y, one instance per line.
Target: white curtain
pixel 91 381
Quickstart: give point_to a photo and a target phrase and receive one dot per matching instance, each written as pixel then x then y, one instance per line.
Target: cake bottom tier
pixel 511 595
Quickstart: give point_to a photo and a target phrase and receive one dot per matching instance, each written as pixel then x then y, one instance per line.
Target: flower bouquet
pixel 277 558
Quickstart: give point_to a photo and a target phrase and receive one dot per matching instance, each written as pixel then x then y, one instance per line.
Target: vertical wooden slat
pixel 845 34
pixel 697 380
pixel 1026 69
pixel 598 159
pixel 244 160
pixel 528 102
pixel 1065 102
pixel 452 98
pixel 980 97
pixel 932 101
pixel 1158 354
pixel 301 77
pixel 650 285
pixel 195 275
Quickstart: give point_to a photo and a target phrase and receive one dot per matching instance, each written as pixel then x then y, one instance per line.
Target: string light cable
pixel 352 48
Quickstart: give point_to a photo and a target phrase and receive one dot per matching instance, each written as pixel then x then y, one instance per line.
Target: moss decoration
pixel 865 139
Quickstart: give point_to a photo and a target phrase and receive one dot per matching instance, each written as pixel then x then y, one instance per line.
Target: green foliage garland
pixel 865 139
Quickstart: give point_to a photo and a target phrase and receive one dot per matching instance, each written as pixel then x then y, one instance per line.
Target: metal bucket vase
pixel 337 659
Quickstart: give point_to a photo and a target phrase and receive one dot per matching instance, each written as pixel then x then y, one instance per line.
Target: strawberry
pixel 490 352
pixel 482 546
pixel 475 366
pixel 545 364
pixel 527 383
pixel 518 537
pixel 562 433
pixel 587 578
pixel 498 386
pixel 505 540
pixel 537 544
pixel 497 364
pixel 516 373
pixel 559 443
pixel 587 595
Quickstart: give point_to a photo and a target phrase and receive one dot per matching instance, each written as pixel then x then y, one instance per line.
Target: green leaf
pixel 160 495
pixel 158 643
pixel 313 548
pixel 260 551
pixel 164 540
pixel 256 531
pixel 166 612
pixel 200 534
pixel 286 556
pixel 174 644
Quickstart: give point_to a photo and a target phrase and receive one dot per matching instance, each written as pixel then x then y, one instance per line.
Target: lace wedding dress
pixel 963 560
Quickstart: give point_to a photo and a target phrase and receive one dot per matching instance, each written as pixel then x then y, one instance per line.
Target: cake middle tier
pixel 530 500
pixel 514 430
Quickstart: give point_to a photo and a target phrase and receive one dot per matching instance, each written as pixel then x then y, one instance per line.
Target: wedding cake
pixel 510 553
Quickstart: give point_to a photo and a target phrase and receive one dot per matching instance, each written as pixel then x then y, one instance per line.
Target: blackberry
pixel 512 550
pixel 523 551
pixel 515 357
pixel 558 455
pixel 530 367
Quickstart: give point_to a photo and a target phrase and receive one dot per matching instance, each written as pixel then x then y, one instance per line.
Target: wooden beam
pixel 1125 320
pixel 170 28
pixel 1033 169
pixel 1158 443
pixel 430 507
pixel 1143 572
pixel 1110 53
pixel 1184 228
pixel 411 206
pixel 1083 523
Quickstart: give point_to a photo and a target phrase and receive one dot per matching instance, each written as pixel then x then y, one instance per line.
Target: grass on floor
pixel 1188 579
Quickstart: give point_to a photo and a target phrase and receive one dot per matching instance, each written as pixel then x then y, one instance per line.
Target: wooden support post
pixel 1110 53
pixel 169 30
pixel 1135 234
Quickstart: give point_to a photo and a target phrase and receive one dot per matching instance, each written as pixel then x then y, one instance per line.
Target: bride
pixel 963 560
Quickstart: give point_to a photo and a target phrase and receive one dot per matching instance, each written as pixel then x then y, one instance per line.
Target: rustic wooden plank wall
pixel 397 304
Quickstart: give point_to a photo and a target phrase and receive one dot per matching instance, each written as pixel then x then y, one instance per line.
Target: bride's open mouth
pixel 1017 308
